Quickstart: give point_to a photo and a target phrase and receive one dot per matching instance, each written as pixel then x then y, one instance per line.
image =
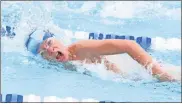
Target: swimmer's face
pixel 52 49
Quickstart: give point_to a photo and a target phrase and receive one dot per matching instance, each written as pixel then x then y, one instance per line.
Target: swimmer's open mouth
pixel 59 54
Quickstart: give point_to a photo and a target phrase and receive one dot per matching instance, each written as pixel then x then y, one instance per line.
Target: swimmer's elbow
pixel 133 47
pixel 128 46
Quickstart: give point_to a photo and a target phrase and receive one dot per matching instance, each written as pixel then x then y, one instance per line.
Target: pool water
pixel 23 73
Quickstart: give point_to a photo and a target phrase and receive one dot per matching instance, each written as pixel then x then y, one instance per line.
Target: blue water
pixel 25 74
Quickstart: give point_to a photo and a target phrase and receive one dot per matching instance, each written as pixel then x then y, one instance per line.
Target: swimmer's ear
pixel 39 49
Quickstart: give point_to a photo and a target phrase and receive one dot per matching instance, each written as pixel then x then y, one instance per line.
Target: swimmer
pixel 93 51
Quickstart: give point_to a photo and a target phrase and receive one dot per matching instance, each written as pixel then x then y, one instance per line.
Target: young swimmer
pixel 93 51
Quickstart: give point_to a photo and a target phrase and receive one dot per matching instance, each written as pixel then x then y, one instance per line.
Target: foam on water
pixel 139 9
pixel 163 44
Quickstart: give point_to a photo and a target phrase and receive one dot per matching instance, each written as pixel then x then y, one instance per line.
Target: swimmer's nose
pixel 50 50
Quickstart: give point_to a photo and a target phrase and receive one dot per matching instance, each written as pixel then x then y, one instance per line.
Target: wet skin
pixel 94 51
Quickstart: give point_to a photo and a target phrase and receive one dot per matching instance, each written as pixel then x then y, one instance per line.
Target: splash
pixel 139 9
pixel 162 44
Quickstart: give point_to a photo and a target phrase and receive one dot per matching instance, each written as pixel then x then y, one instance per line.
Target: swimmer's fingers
pixel 165 77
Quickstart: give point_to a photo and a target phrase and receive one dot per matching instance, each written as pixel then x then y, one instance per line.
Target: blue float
pixel 101 36
pixel 108 36
pixel 92 36
pixel 144 42
pixel 14 98
pixel 125 37
pixel 8 31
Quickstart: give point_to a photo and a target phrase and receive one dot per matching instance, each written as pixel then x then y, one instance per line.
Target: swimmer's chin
pixel 63 59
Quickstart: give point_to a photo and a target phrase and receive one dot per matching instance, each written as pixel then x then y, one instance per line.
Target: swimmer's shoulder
pixel 90 44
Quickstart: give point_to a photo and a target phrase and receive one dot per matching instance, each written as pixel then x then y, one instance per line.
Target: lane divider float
pixel 16 98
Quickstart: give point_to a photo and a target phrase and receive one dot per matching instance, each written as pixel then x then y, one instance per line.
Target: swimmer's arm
pixel 143 58
pixel 116 46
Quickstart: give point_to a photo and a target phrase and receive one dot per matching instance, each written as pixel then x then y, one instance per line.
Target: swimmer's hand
pixel 164 77
pixel 161 74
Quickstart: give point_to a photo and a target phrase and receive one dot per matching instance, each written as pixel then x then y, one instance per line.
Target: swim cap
pixel 35 39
